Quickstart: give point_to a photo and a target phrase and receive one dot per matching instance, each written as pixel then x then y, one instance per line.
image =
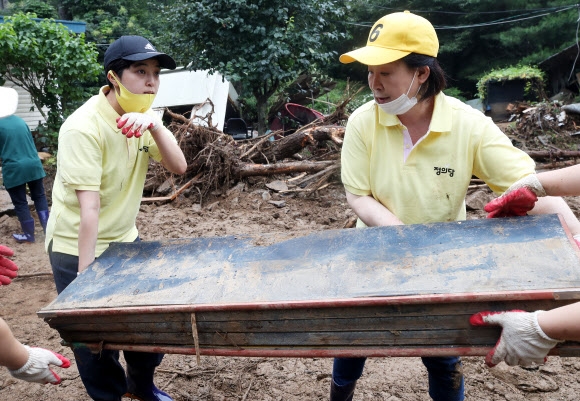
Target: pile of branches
pixel 215 161
pixel 548 131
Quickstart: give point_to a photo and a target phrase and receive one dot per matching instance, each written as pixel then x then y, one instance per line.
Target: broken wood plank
pixel 176 193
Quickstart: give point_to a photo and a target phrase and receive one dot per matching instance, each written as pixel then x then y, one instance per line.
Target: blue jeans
pixel 103 376
pixel 445 375
pixel 18 197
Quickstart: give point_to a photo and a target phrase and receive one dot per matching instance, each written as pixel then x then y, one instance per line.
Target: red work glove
pixel 8 269
pixel 37 370
pixel 134 124
pixel 522 339
pixel 515 203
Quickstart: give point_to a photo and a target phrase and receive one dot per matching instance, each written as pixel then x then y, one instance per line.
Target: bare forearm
pixel 563 182
pixel 13 355
pixel 371 212
pixel 172 156
pixel 88 232
pixel 562 323
pixel 89 227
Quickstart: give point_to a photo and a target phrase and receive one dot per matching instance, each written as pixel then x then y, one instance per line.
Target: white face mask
pixel 402 104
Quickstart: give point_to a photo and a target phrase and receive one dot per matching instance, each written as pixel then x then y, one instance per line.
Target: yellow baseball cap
pixel 393 37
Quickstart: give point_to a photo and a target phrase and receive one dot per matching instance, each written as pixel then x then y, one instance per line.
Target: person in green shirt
pixel 21 166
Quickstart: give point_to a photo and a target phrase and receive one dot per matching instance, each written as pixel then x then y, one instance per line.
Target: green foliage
pixel 327 103
pixel 475 36
pixel 105 27
pixel 51 63
pixel 456 93
pixel 108 20
pixel 38 7
pixel 258 44
pixel 533 75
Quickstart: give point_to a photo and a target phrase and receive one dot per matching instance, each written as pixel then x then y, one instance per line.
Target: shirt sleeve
pixel 355 162
pixel 498 162
pixel 79 160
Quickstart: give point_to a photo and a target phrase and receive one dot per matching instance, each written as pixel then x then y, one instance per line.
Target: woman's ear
pixel 423 74
pixel 112 77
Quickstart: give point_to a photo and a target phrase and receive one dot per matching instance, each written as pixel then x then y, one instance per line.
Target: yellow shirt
pixel 430 186
pixel 93 155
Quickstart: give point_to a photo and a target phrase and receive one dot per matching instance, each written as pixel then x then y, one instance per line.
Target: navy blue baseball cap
pixel 136 48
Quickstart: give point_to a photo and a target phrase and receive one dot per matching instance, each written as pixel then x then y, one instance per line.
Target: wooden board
pixel 384 291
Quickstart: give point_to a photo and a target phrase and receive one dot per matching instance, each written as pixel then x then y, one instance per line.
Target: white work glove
pixel 136 123
pixel 531 182
pixel 37 370
pixel 522 340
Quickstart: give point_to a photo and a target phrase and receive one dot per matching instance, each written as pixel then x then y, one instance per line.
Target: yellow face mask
pixel 131 102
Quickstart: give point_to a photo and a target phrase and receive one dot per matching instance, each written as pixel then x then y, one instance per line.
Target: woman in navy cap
pixel 104 149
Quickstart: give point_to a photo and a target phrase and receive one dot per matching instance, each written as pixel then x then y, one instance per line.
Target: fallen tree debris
pixel 309 159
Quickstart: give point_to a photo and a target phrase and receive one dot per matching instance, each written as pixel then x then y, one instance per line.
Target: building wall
pixel 32 118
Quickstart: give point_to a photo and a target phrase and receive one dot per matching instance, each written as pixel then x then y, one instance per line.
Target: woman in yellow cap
pixel 409 155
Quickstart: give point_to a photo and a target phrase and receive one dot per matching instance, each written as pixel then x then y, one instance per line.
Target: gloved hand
pixel 515 203
pixel 529 181
pixel 8 269
pixel 522 340
pixel 37 370
pixel 135 124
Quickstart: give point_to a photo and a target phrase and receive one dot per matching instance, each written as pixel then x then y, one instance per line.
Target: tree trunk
pixel 262 109
pixel 249 169
pixel 294 143
pixel 549 154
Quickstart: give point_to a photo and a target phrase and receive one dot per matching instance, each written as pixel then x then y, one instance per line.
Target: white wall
pixel 32 118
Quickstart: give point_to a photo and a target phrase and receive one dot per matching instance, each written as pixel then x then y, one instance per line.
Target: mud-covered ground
pixel 245 210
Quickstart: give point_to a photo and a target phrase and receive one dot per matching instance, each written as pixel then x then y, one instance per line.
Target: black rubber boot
pixel 341 393
pixel 43 217
pixel 140 387
pixel 28 228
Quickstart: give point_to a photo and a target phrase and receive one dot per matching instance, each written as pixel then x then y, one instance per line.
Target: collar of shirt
pixel 440 121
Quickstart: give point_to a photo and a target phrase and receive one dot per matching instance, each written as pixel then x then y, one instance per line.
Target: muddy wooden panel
pixel 272 317
pixel 163 314
pixel 400 291
pixel 421 317
pixel 330 339
pixel 511 254
pixel 331 329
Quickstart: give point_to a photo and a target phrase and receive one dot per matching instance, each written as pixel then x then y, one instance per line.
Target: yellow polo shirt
pixel 430 186
pixel 94 155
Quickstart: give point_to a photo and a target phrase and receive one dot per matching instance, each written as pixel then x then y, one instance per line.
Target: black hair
pixel 117 66
pixel 437 80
